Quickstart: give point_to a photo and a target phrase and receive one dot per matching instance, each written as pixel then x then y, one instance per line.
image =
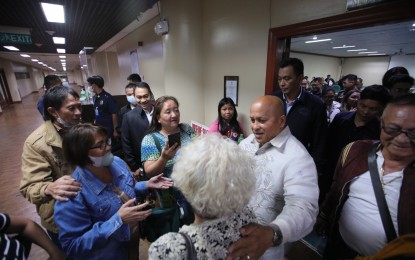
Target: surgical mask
pixel 131 100
pixel 63 123
pixel 102 161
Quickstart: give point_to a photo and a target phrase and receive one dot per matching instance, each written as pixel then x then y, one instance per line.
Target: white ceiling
pixel 391 39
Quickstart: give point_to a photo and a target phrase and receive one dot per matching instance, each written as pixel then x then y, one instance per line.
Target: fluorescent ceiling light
pixel 54 13
pixel 58 40
pixel 63 60
pixel 61 50
pixel 322 40
pixel 374 54
pixel 35 60
pixel 358 50
pixel 25 55
pixel 367 52
pixel 344 47
pixel 40 62
pixel 11 48
pixel 62 56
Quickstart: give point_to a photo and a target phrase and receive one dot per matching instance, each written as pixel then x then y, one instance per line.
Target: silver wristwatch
pixel 277 235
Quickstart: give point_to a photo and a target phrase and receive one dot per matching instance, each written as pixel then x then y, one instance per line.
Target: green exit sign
pixel 15 38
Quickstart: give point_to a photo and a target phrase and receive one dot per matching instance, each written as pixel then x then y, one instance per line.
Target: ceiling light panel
pixel 344 47
pixel 61 50
pixel 58 40
pixel 54 13
pixel 11 48
pixel 25 55
pixel 358 50
pixel 321 40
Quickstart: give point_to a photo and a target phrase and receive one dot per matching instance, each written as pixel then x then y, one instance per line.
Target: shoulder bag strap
pixel 191 251
pixel 380 195
pixel 345 152
pixel 157 142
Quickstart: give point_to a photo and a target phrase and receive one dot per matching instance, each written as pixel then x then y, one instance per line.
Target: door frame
pixel 6 91
pixel 279 38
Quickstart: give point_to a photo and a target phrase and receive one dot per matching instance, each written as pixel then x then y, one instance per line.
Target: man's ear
pixel 53 112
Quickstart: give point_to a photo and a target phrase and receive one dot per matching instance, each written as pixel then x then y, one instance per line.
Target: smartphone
pixel 174 138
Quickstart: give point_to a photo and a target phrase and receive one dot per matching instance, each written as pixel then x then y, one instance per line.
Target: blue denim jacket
pixel 89 225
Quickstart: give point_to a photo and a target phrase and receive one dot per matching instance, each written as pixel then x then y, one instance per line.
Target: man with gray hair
pixel 286 197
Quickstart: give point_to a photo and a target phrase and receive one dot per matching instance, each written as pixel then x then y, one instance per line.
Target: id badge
pixel 96 111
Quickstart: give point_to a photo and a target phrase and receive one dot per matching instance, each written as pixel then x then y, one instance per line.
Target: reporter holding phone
pixel 100 221
pixel 165 122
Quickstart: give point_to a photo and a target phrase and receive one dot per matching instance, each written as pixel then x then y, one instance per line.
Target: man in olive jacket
pixel 45 173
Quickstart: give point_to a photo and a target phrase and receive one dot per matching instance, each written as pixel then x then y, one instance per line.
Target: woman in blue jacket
pixel 101 221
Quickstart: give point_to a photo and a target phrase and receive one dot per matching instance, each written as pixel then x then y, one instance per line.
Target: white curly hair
pixel 215 176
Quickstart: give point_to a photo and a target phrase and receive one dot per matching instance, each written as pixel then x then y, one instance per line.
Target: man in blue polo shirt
pixel 105 106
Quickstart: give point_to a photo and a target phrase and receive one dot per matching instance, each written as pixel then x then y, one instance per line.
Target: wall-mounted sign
pixel 358 4
pixel 15 38
pixel 231 88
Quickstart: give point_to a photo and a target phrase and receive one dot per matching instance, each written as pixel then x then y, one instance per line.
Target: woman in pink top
pixel 226 123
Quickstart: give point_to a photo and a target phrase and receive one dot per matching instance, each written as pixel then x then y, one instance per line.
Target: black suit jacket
pixel 307 121
pixel 124 110
pixel 134 126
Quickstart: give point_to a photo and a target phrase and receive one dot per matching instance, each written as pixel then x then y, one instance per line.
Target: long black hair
pixel 233 125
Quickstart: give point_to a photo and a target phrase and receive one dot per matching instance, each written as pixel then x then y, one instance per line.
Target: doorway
pixel 5 97
pixel 279 39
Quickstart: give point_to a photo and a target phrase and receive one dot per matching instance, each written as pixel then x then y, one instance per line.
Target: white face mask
pixel 131 100
pixel 62 122
pixel 102 161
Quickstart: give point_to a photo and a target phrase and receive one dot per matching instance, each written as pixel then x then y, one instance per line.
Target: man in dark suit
pixel 306 113
pixel 134 125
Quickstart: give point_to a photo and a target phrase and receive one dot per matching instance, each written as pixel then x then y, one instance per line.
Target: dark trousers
pixel 55 239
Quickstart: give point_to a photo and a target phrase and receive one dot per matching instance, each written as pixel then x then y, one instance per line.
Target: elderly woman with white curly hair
pixel 218 180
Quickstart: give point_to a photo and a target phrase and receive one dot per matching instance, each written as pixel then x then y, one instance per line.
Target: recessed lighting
pixel 62 56
pixel 40 62
pixel 375 54
pixel 63 60
pixel 35 60
pixel 367 52
pixel 58 40
pixel 25 55
pixel 61 50
pixel 11 48
pixel 315 37
pixel 358 50
pixel 322 40
pixel 54 13
pixel 344 47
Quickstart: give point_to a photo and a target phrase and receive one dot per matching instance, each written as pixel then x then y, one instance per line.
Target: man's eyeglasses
pixel 395 131
pixel 102 145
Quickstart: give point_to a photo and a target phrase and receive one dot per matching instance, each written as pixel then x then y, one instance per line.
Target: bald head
pixel 267 118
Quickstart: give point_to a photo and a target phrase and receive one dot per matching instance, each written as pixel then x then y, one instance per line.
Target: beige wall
pixel 150 57
pixel 319 66
pixel 235 36
pixel 371 69
pixel 105 64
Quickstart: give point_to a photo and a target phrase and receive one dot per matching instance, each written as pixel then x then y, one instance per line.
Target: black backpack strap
pixel 380 195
